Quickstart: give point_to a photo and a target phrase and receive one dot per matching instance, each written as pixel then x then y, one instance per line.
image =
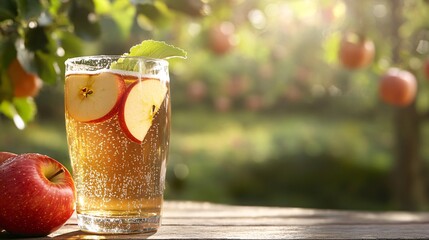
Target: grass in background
pixel 256 158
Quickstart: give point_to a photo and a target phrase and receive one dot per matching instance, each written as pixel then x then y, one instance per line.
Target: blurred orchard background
pixel 280 102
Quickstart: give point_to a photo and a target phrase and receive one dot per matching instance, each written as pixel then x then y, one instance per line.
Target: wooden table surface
pixel 196 220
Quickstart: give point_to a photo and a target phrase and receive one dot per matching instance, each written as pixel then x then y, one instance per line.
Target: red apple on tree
pixel 356 51
pixel 398 87
pixel 25 84
pixel 254 102
pixel 237 85
pixel 220 38
pixel 37 195
pixel 196 91
pixel 222 103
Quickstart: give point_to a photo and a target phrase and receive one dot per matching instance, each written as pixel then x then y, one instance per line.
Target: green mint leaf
pixel 156 49
pixel 149 49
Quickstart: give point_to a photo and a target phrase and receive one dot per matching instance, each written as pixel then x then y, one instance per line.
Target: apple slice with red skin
pixel 139 106
pixel 93 98
pixel 37 195
pixel 5 156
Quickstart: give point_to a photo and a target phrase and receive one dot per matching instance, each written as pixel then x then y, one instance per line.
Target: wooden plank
pixel 392 231
pixel 301 232
pixel 192 211
pixel 184 220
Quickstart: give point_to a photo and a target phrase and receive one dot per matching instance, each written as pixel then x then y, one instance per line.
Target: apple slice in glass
pixel 93 98
pixel 140 104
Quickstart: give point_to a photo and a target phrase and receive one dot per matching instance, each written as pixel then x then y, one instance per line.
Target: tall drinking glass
pixel 118 128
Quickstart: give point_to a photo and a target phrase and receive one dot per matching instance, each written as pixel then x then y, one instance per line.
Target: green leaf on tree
pixel 69 42
pixel 193 8
pixel 331 46
pixel 151 16
pixel 26 108
pixel 123 14
pixel 36 39
pixel 102 6
pixel 8 10
pixel 82 15
pixel 7 52
pixel 29 9
pixel 20 110
pixel 6 90
pixel 47 66
pixel 25 57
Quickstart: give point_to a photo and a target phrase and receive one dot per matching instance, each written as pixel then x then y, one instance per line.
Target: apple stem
pixel 56 174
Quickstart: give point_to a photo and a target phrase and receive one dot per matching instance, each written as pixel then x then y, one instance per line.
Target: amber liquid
pixel 114 176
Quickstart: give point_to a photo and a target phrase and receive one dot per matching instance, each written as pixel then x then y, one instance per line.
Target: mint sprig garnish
pixel 156 49
pixel 149 49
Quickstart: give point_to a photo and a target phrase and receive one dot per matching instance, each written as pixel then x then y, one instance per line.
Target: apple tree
pixel 37 36
pixel 401 32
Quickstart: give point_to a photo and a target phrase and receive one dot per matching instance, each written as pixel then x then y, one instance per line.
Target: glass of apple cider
pixel 118 127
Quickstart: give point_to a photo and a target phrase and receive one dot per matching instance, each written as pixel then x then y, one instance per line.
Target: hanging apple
pixel 254 102
pixel 398 87
pixel 25 84
pixel 356 51
pixel 220 38
pixel 222 104
pixel 196 91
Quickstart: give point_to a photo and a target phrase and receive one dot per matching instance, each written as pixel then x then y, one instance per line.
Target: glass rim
pixel 73 60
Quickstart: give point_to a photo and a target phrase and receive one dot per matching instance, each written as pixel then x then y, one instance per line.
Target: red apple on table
pixel 398 87
pixel 5 156
pixel 37 195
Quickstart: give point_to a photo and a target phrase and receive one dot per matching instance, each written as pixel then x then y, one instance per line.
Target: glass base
pixel 117 225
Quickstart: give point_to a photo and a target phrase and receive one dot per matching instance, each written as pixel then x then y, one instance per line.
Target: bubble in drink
pixel 118 126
